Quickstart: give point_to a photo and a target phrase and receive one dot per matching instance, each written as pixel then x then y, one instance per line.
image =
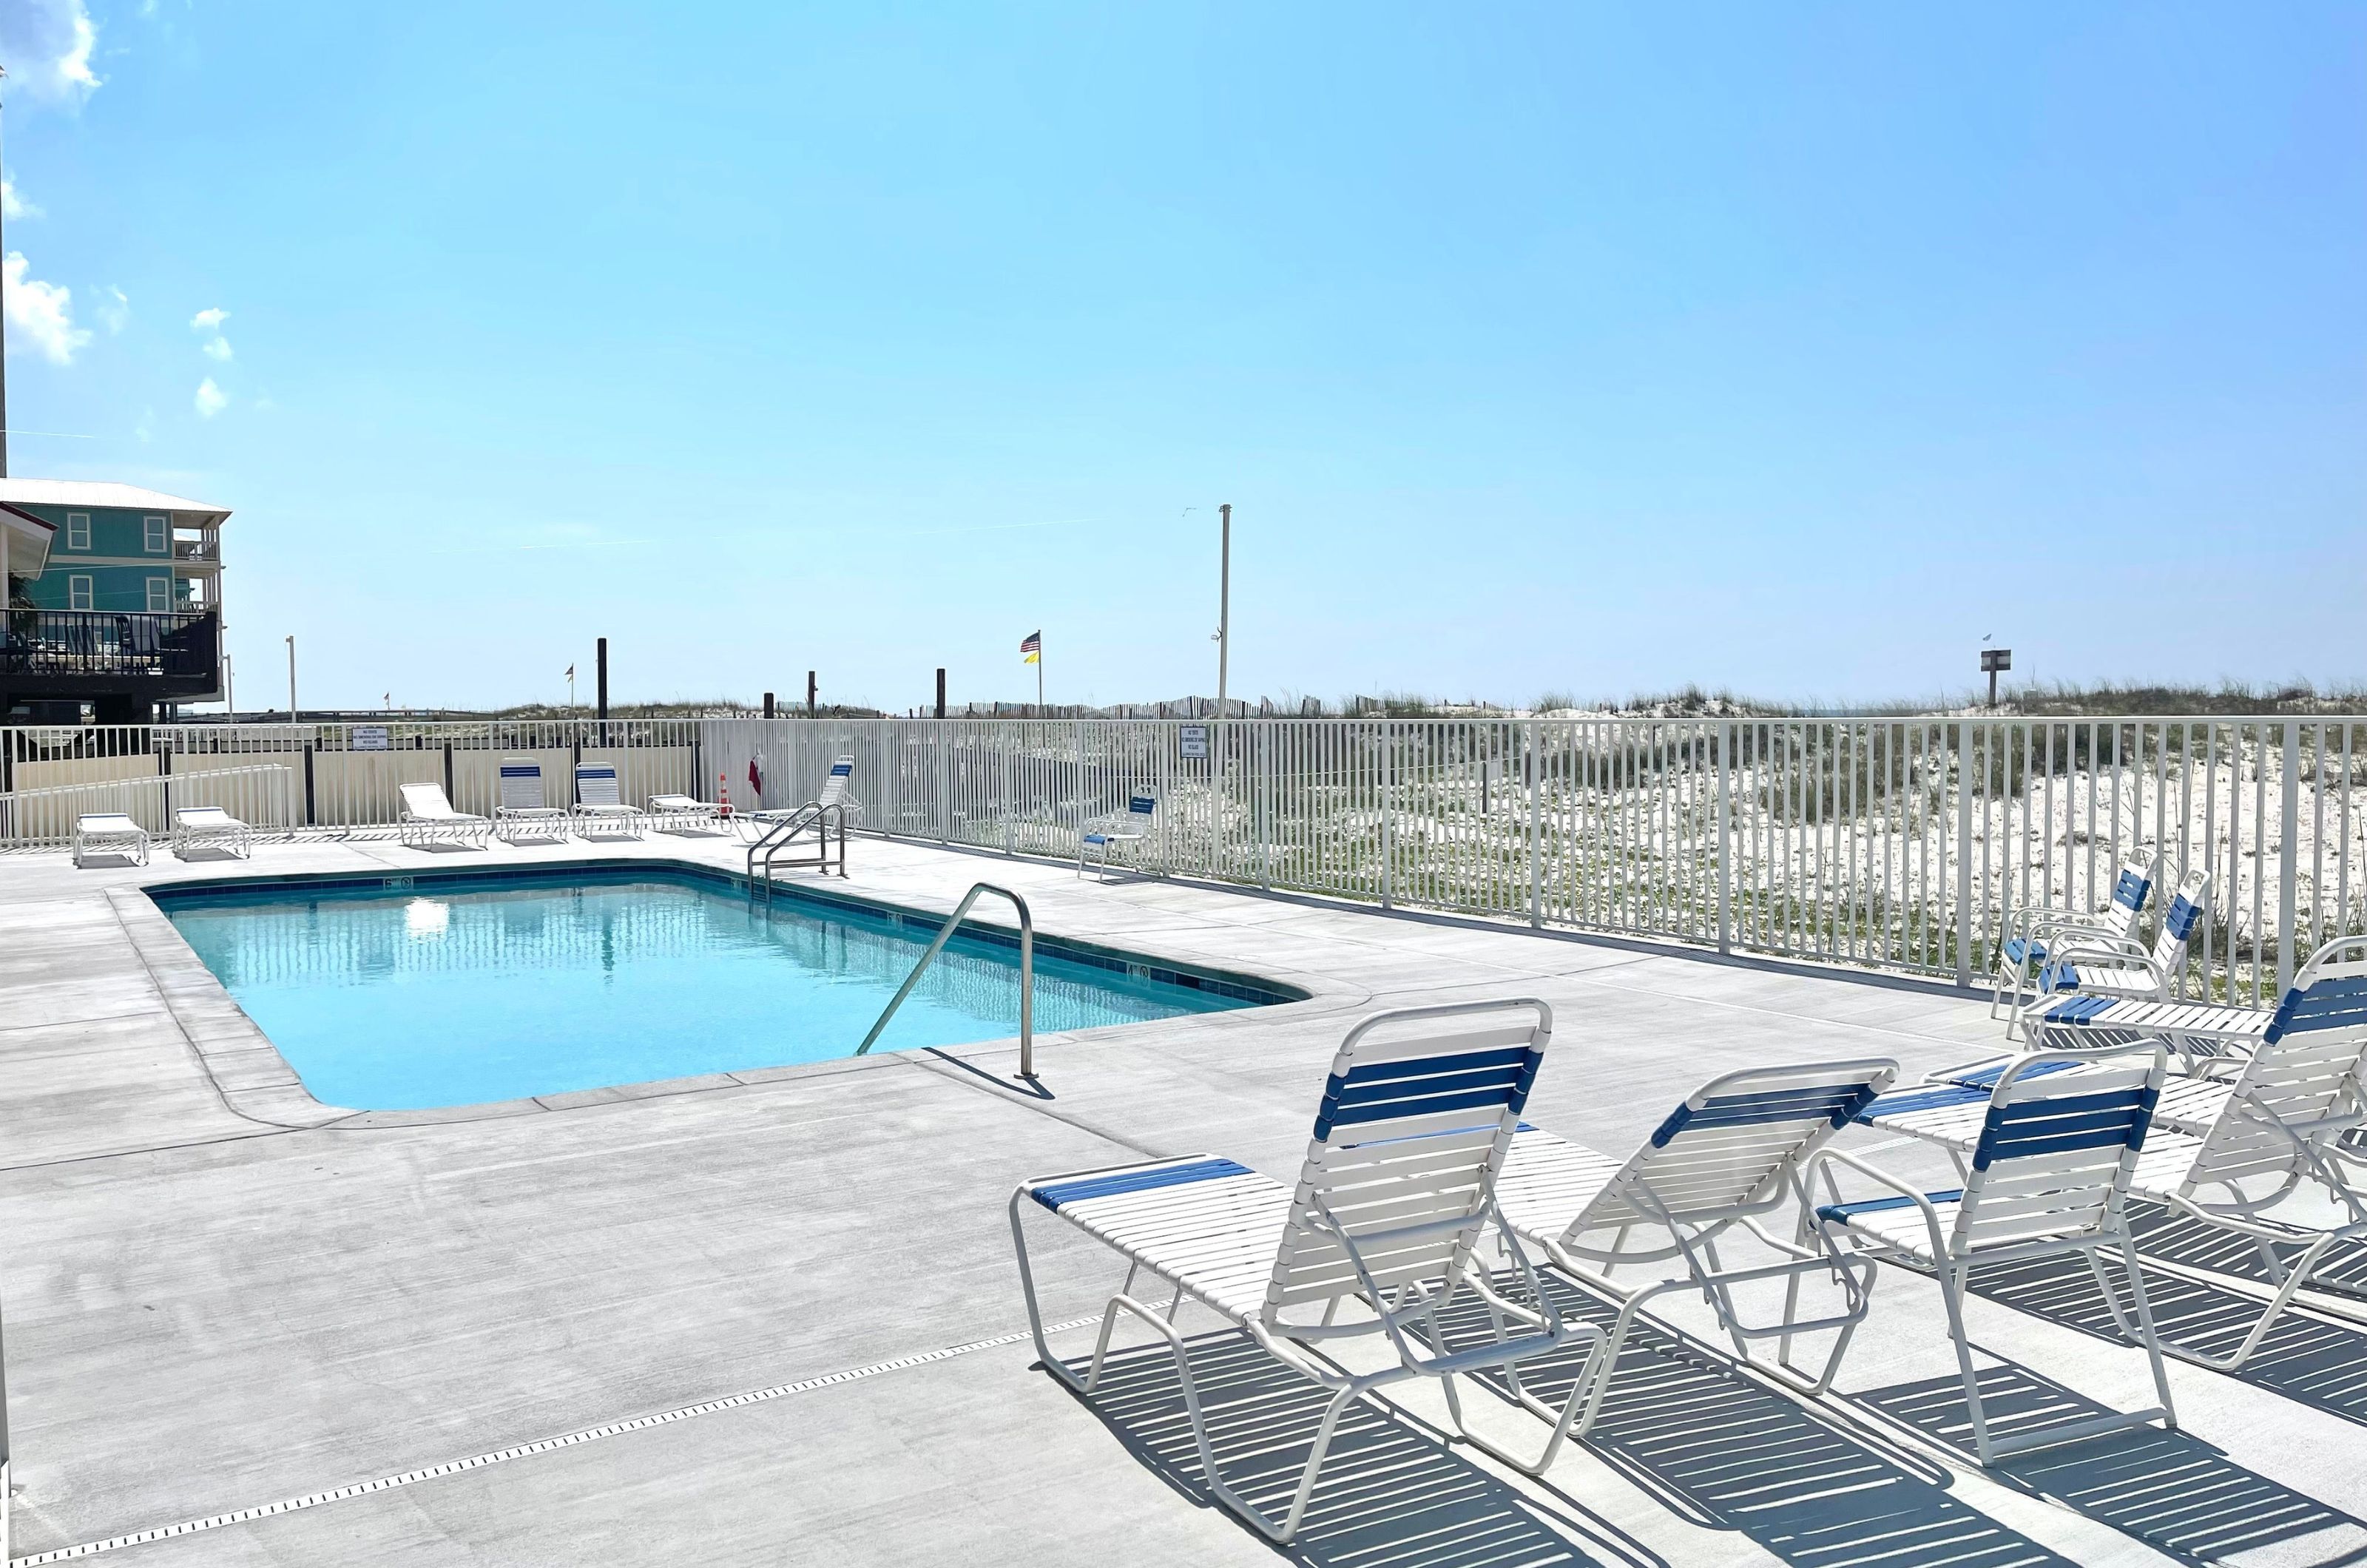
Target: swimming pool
pixel 417 993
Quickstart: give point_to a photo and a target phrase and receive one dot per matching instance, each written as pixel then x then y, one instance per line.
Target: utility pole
pixel 768 705
pixel 813 709
pixel 1224 602
pixel 601 673
pixel 941 691
pixel 291 679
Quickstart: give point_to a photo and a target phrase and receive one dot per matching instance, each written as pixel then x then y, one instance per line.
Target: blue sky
pixel 1792 348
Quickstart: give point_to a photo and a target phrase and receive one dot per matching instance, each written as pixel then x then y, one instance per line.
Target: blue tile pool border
pixel 1254 989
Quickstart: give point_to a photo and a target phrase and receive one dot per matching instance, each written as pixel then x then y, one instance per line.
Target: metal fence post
pixel 1964 853
pixel 1264 806
pixel 1388 836
pixel 1537 829
pixel 1725 838
pixel 2289 853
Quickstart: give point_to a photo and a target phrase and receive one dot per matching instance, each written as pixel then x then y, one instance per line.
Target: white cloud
pixel 47 45
pixel 13 204
pixel 218 349
pixel 114 308
pixel 41 313
pixel 212 400
pixel 209 319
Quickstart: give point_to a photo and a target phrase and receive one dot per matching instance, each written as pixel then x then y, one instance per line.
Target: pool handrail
pixel 1027 974
pixel 781 831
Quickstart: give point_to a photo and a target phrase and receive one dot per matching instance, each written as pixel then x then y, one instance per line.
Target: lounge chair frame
pixel 1424 1121
pixel 109 833
pixel 2049 1175
pixel 1135 825
pixel 425 817
pixel 210 827
pixel 2030 931
pixel 1732 1153
pixel 600 797
pixel 524 810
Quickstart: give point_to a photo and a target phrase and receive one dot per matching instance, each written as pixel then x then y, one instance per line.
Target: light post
pixel 291 679
pixel 1224 599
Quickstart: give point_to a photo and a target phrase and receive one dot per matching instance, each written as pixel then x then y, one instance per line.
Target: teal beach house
pixel 114 601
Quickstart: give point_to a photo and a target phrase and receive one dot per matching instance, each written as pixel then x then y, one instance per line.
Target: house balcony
pixel 83 654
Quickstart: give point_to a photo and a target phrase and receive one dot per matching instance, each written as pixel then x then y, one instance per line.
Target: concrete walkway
pixel 213 1304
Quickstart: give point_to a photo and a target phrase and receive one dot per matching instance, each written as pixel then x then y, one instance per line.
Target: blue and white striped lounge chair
pixel 837 794
pixel 2090 966
pixel 2030 931
pixel 109 833
pixel 1132 825
pixel 426 817
pixel 2235 1143
pixel 210 827
pixel 1730 1154
pixel 1397 1184
pixel 2049 1174
pixel 523 811
pixel 600 798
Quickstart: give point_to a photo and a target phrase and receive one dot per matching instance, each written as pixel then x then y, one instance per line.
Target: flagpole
pixel 1039 676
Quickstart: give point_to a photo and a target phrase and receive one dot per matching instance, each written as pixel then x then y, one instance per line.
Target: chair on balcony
pixel 524 813
pixel 211 828
pixel 109 833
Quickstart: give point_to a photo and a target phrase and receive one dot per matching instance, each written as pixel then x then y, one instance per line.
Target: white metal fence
pixel 1898 844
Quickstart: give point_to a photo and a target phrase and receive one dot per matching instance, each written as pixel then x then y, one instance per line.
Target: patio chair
pixel 109 833
pixel 2087 964
pixel 210 827
pixel 673 813
pixel 524 812
pixel 1398 1183
pixel 1132 825
pixel 2049 1175
pixel 2030 931
pixel 1730 1154
pixel 837 790
pixel 599 799
pixel 425 817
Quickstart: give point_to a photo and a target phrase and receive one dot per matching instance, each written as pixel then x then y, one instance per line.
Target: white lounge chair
pixel 837 795
pixel 2030 931
pixel 600 798
pixel 210 827
pixel 2087 964
pixel 425 817
pixel 2233 1145
pixel 525 811
pixel 1731 1154
pixel 2048 1174
pixel 1397 1185
pixel 673 813
pixel 109 833
pixel 1132 825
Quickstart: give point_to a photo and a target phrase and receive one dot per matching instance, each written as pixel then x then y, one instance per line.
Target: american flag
pixel 1031 650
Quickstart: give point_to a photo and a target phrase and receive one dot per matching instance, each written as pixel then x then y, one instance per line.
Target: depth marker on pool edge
pixel 523 1450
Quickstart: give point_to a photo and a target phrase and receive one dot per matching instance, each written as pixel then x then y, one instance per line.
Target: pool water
pixel 467 989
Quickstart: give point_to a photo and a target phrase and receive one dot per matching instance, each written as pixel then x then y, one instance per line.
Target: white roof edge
pixel 100 492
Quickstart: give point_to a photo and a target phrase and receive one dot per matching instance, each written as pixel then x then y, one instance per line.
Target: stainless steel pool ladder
pixel 779 835
pixel 1026 972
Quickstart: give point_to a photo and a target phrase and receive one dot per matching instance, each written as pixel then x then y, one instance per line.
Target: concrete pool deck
pixel 213 1305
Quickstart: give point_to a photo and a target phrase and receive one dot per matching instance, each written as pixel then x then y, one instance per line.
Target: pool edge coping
pixel 255 1081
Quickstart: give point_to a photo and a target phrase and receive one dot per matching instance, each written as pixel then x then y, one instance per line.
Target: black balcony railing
pixel 180 647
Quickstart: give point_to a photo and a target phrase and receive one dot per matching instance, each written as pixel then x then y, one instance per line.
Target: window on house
pixel 159 536
pixel 77 592
pixel 160 595
pixel 78 530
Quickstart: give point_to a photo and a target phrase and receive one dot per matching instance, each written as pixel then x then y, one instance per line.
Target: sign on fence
pixel 1193 742
pixel 367 738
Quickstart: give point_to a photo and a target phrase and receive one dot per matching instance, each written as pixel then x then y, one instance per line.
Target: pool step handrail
pixel 1026 972
pixel 779 834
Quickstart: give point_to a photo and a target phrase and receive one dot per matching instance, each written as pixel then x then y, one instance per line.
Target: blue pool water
pixel 463 990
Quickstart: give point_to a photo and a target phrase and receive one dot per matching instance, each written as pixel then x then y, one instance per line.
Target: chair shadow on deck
pixel 1389 1493
pixel 2161 1234
pixel 2175 1492
pixel 2307 1358
pixel 1725 1450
